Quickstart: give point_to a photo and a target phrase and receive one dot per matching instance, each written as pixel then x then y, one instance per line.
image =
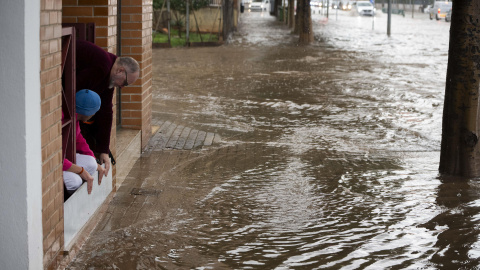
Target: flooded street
pixel 325 156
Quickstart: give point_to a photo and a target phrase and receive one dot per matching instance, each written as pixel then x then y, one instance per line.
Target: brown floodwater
pixel 328 158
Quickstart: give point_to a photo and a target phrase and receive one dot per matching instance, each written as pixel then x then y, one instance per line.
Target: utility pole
pixel 389 21
pixel 413 6
pixel 328 6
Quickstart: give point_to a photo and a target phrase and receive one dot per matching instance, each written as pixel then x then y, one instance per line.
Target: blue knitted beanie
pixel 87 102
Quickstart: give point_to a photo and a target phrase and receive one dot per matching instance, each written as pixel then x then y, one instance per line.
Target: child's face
pixel 83 118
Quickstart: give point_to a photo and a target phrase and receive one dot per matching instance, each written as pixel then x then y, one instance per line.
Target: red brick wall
pixel 51 101
pixel 137 42
pixel 102 12
pixel 136 99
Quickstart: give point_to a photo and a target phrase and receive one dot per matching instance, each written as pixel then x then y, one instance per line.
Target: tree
pixel 298 17
pixel 460 151
pixel 305 20
pixel 291 13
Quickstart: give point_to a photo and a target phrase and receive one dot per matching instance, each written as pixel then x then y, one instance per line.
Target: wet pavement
pixel 319 157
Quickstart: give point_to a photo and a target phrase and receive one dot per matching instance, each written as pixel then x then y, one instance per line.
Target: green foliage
pixel 180 5
pixel 180 42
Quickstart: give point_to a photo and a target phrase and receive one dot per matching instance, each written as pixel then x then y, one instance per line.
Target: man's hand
pixel 101 172
pixel 87 177
pixel 105 159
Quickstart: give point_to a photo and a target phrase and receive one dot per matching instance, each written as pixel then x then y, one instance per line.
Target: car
pixel 315 3
pixel 448 17
pixel 260 5
pixel 346 6
pixel 439 9
pixel 364 8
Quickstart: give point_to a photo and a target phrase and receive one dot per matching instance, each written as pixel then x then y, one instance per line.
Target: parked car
pixel 315 3
pixel 364 8
pixel 448 17
pixel 440 9
pixel 260 5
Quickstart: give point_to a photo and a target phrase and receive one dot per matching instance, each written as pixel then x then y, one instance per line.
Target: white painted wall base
pixel 21 236
pixel 81 206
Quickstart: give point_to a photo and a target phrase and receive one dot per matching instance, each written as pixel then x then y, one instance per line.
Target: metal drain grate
pixel 145 192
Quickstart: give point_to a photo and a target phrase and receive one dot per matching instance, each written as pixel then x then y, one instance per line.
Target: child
pixel 87 103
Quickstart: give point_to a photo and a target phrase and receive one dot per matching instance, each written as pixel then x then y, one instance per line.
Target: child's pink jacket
pixel 81 145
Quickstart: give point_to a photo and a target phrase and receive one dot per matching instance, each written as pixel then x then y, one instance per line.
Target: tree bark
pixel 306 30
pixel 291 14
pixel 275 7
pixel 460 152
pixel 298 17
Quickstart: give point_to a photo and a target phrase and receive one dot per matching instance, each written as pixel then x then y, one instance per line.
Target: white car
pixel 315 3
pixel 439 9
pixel 364 8
pixel 260 5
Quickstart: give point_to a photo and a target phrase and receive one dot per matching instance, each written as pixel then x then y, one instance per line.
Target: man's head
pixel 124 72
pixel 87 103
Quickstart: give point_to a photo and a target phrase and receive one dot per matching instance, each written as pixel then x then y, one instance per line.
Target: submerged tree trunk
pixel 298 17
pixel 291 14
pixel 306 26
pixel 460 151
pixel 275 7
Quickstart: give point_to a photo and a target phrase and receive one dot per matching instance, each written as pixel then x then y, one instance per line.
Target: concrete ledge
pixel 161 45
pixel 81 206
pixel 82 212
pixel 63 259
pixel 129 147
pixel 206 44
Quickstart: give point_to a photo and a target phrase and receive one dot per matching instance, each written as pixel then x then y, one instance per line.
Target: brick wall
pixel 136 99
pixel 51 101
pixel 137 42
pixel 102 12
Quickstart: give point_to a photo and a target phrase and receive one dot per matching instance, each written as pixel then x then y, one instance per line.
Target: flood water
pixel 329 154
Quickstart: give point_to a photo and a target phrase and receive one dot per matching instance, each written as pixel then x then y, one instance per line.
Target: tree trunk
pixel 275 8
pixel 306 30
pixel 460 152
pixel 291 14
pixel 298 17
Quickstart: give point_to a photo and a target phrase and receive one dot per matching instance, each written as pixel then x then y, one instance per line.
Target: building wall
pixel 209 19
pixel 51 140
pixel 20 158
pixel 138 97
pixel 137 42
pixel 102 12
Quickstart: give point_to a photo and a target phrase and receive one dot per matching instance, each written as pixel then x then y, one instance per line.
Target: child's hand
pixel 87 177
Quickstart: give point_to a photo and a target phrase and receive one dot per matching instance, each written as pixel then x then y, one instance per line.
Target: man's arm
pixel 104 119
